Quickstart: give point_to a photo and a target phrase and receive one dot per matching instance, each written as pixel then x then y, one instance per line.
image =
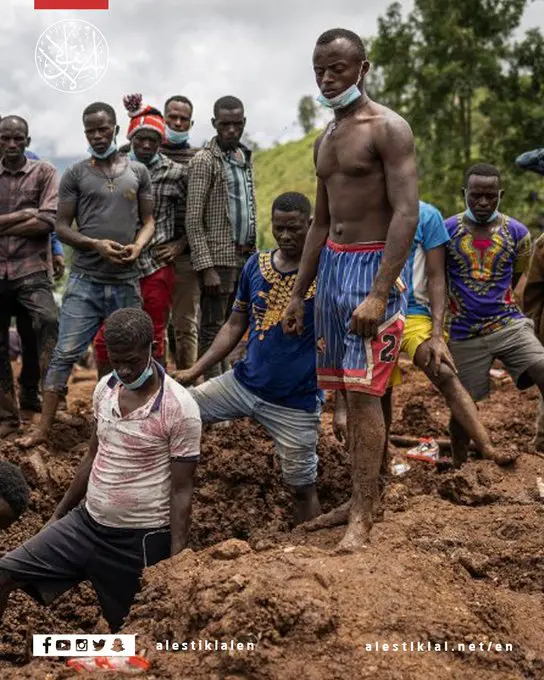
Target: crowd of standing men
pixel 165 231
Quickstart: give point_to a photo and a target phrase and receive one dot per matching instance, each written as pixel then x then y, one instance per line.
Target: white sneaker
pixel 427 450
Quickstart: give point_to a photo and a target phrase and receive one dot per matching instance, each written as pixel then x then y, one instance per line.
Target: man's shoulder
pixel 136 166
pixel 253 260
pixel 387 120
pixel 517 228
pixel 428 211
pixel 171 168
pixel 180 156
pixel 44 167
pixel 102 388
pixel 203 155
pixel 77 168
pixel 451 223
pixel 431 228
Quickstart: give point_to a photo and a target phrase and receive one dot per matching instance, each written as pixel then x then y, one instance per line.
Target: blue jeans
pixel 85 306
pixel 294 431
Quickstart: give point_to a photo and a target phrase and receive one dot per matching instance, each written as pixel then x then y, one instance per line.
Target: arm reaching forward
pixel 315 240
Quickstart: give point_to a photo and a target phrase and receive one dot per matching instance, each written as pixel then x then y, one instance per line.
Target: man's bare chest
pixel 346 152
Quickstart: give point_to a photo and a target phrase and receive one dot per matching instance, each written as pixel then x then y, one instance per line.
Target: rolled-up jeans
pixel 294 431
pixel 85 306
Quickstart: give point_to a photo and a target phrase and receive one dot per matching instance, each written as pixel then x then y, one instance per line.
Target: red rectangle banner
pixel 71 4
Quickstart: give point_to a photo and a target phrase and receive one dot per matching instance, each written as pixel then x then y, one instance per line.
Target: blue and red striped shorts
pixel 346 361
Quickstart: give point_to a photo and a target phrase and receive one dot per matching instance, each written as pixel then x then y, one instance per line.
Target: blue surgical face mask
pixel 144 377
pixel 472 216
pixel 175 137
pixel 106 154
pixel 133 157
pixel 343 99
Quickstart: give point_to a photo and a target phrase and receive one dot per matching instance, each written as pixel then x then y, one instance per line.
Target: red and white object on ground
pixel 427 450
pixel 133 665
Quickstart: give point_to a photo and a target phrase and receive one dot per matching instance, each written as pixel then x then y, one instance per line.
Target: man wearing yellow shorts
pixel 424 339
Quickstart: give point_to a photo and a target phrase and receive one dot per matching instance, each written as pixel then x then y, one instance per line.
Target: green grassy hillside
pixel 288 167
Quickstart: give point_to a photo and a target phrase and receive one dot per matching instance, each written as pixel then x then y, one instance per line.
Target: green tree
pixel 307 113
pixel 438 67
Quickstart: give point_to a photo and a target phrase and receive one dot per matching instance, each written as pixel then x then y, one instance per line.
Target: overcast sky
pixel 258 50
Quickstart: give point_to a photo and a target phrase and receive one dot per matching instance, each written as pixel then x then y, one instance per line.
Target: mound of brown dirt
pixel 457 559
pixel 311 613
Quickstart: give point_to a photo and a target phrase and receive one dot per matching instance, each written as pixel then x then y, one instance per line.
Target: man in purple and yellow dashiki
pixel 486 256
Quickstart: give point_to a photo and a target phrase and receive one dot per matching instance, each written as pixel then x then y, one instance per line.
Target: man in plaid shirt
pixel 156 262
pixel 28 208
pixel 220 219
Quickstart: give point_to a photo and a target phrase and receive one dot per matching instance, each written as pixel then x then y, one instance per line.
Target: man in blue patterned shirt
pixel 276 382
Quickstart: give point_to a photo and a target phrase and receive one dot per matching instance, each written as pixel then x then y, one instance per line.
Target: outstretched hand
pixel 185 377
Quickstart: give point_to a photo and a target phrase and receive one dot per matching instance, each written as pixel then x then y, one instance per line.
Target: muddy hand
pixel 293 317
pixel 368 316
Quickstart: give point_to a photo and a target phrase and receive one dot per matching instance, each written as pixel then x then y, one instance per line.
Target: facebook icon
pixel 47 644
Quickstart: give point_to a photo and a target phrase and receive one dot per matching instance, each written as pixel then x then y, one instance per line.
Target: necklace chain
pixel 334 124
pixel 110 184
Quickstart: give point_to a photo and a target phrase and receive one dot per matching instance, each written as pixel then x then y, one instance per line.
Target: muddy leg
pixel 536 373
pixel 7 584
pixel 463 410
pixel 366 435
pixel 305 503
pixel 334 518
pixel 387 408
pixel 40 433
pixel 460 441
pixel 538 441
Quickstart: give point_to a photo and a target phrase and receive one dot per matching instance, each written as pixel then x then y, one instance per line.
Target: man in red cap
pixel 156 262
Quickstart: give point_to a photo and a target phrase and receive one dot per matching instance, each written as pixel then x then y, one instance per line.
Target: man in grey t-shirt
pixel 111 199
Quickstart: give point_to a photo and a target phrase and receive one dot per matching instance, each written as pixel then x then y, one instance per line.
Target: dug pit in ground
pixel 457 558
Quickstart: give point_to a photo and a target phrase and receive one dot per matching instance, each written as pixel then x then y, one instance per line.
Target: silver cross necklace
pixel 110 184
pixel 334 124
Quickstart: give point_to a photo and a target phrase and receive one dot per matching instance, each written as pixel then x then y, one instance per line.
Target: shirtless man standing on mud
pixel 366 216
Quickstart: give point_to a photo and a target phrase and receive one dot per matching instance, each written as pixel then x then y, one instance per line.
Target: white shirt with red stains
pixel 129 484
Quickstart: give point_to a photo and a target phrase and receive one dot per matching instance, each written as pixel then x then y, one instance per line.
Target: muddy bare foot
pixel 355 539
pixel 7 428
pixel 33 439
pixel 334 518
pixel 505 457
pixel 67 418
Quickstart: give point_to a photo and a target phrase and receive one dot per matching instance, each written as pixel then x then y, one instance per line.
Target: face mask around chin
pixel 112 149
pixel 345 98
pixel 142 379
pixel 176 137
pixel 472 216
pixel 133 157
